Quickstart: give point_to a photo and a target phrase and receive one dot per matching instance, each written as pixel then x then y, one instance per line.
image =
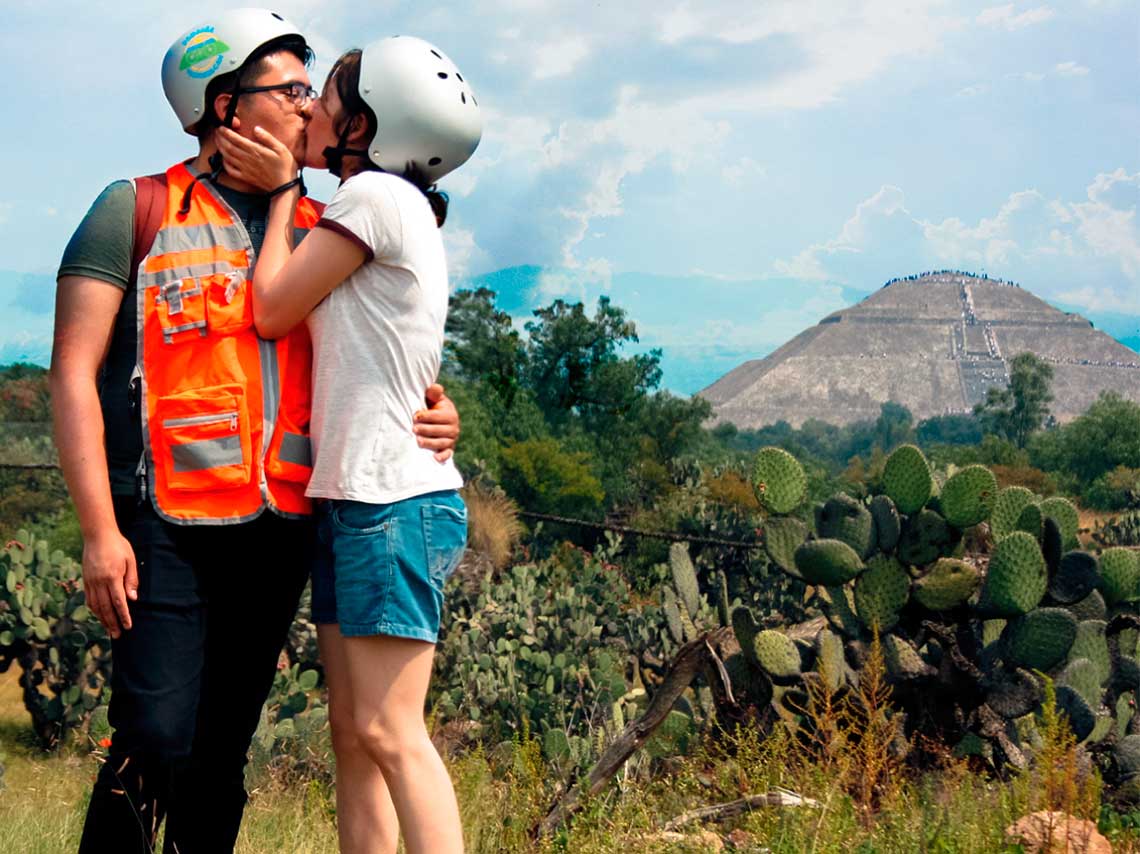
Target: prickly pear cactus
pixel 907 479
pixel 779 480
pixel 968 496
pixel 45 626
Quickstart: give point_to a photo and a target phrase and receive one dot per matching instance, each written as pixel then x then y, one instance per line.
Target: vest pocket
pixel 290 456
pixel 229 308
pixel 181 310
pixel 203 439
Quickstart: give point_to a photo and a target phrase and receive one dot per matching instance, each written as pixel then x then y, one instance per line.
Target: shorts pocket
pixel 229 308
pixel 359 517
pixel 445 537
pixel 202 440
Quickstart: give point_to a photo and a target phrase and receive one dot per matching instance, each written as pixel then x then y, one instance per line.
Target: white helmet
pixel 220 46
pixel 425 110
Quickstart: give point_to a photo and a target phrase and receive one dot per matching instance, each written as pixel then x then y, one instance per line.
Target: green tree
pixel 575 368
pixel 482 344
pixel 541 475
pixel 1106 436
pixel 1018 411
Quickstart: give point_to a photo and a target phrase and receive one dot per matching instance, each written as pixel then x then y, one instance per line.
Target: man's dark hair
pixel 249 71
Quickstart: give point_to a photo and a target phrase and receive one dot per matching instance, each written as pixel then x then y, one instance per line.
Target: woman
pixel 371 281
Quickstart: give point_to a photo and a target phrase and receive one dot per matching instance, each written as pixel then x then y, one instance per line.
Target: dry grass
pixel 493 527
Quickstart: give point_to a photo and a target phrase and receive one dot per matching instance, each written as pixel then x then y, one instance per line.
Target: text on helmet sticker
pixel 203 53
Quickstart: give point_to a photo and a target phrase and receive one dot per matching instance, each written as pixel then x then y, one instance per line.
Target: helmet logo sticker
pixel 203 53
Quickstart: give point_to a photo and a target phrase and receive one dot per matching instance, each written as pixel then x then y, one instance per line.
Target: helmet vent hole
pixel 436 54
pixel 435 161
pixel 463 97
pixel 275 15
pixel 442 75
pixel 473 101
pixel 458 76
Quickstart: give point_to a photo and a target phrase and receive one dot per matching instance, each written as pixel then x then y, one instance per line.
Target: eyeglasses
pixel 297 94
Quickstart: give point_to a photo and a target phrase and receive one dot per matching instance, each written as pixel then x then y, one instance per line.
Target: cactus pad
pixel 1127 756
pixel 881 592
pixel 1090 643
pixel 925 538
pixel 827 562
pixel 947 585
pixel 1030 520
pixel 846 519
pixel 1119 575
pixel 782 536
pixel 1076 710
pixel 968 496
pixel 1076 577
pixel 887 524
pixel 1015 694
pixel 779 480
pixel 1041 639
pixel 1008 506
pixel 777 654
pixel 1016 580
pixel 1080 675
pixel 1092 607
pixel 685 578
pixel 907 479
pixel 903 660
pixel 1067 517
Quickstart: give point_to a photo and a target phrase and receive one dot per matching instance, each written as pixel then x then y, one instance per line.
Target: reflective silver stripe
pixel 187 238
pixel 161 297
pixel 171 331
pixel 270 389
pixel 177 274
pixel 296 449
pixel 212 418
pixel 207 454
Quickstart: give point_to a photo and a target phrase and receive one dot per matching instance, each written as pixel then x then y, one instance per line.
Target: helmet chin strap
pixel 335 154
pixel 215 161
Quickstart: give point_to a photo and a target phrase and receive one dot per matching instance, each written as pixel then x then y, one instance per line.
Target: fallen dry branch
pixel 719 812
pixel 691 659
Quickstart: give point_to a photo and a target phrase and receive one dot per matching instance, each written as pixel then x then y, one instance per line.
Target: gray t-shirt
pixel 101 248
pixel 377 343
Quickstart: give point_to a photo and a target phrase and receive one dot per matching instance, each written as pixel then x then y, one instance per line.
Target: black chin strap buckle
pixel 215 170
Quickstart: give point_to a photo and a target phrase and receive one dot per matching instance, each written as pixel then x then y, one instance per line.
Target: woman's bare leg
pixel 366 820
pixel 389 678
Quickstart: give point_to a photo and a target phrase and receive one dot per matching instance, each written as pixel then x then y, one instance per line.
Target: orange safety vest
pixel 225 413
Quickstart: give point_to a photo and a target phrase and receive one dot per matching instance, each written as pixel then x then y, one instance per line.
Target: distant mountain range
pixel 705 326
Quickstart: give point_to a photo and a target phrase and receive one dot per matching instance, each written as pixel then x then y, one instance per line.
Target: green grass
pixel 505 792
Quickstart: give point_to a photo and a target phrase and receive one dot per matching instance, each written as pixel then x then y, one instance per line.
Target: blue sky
pixel 767 160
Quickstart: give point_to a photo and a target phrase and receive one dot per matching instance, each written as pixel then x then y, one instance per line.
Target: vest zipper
pixel 212 418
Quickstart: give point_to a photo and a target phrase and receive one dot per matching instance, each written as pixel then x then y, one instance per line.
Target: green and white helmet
pixel 425 111
pixel 218 46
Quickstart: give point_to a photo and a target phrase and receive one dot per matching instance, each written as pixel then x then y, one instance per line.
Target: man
pixel 183 439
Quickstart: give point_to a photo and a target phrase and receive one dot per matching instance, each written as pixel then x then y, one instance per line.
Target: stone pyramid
pixel 934 343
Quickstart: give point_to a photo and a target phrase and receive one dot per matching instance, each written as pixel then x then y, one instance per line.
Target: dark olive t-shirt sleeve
pixel 101 246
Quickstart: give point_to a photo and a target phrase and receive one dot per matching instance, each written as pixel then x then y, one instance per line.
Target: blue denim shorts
pixel 380 568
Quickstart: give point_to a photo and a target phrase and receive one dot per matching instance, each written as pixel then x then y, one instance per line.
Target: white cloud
pixel 1051 245
pixel 741 169
pixel 463 254
pixel 1071 69
pixel 559 57
pixel 1005 16
pixel 972 91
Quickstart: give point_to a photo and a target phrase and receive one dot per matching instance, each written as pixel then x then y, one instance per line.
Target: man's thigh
pixel 157 664
pixel 253 596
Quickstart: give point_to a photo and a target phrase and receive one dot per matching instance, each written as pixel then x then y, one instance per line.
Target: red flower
pixel 105 742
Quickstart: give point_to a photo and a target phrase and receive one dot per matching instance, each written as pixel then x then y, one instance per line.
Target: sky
pixel 768 159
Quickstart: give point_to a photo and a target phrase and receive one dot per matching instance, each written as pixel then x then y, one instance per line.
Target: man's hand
pixel 437 427
pixel 110 578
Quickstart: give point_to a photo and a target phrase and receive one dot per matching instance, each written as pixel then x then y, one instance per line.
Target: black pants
pixel 189 679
